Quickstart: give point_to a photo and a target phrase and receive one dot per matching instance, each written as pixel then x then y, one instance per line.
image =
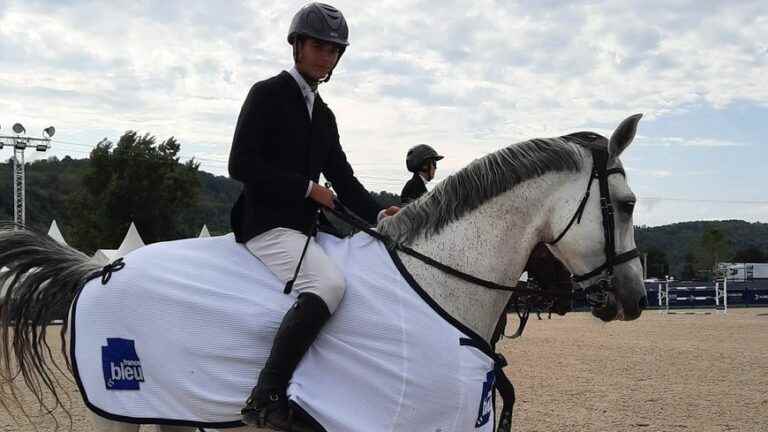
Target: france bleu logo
pixel 121 365
pixel 486 400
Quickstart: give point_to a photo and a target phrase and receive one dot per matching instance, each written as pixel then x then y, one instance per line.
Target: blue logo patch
pixel 121 365
pixel 486 400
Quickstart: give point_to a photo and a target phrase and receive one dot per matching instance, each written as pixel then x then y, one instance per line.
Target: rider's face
pixel 317 58
pixel 430 169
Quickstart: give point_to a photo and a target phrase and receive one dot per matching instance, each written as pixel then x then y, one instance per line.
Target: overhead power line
pixel 693 200
pixel 72 143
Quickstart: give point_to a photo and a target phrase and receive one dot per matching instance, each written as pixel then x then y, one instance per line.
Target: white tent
pixel 104 256
pixel 55 233
pixel 204 232
pixel 131 242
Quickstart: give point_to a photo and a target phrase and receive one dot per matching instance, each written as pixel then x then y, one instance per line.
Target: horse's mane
pixel 486 178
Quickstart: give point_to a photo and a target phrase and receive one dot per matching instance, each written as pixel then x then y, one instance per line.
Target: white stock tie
pixel 309 100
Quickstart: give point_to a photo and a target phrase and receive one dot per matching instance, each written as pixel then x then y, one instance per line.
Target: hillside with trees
pixel 139 179
pixel 689 250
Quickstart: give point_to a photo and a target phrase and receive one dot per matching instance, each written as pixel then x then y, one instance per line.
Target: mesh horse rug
pixel 179 334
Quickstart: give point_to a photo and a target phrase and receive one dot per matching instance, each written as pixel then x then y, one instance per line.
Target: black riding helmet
pixel 418 155
pixel 322 22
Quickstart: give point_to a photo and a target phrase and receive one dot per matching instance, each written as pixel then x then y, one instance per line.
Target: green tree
pixel 751 254
pixel 386 199
pixel 714 248
pixel 137 181
pixel 217 195
pixel 689 269
pixel 657 262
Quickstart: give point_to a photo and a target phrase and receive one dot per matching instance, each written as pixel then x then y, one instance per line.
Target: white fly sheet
pixel 178 336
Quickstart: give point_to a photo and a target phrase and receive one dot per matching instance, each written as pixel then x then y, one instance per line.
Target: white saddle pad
pixel 179 335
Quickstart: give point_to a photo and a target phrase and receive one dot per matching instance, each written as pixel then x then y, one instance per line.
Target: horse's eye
pixel 627 206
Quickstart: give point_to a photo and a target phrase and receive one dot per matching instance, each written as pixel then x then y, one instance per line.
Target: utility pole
pixel 20 143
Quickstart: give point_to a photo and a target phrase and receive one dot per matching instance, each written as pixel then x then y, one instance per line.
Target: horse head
pixel 486 218
pixel 592 230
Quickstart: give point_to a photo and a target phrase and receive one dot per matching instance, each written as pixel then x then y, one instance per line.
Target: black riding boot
pixel 268 404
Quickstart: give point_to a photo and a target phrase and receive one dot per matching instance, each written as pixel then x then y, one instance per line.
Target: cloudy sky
pixel 467 77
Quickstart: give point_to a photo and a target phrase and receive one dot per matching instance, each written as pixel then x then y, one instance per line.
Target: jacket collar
pixel 290 83
pixel 303 85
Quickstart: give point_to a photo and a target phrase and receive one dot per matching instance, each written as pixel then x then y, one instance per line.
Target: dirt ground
pixel 660 373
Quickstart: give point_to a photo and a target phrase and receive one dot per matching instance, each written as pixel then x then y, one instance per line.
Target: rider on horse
pixel 286 136
pixel 421 160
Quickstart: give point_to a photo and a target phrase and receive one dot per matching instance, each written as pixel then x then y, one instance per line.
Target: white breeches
pixel 280 250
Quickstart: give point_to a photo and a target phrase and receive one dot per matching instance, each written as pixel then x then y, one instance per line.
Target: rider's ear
pixel 623 135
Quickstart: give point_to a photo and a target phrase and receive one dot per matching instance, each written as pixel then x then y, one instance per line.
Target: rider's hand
pixel 391 210
pixel 387 212
pixel 321 195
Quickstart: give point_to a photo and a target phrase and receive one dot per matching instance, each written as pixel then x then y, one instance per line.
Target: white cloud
pixel 466 77
pixel 686 142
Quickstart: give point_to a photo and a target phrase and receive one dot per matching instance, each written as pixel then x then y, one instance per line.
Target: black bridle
pixel 597 293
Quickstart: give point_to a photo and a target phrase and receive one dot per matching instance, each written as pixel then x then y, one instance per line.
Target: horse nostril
pixel 643 302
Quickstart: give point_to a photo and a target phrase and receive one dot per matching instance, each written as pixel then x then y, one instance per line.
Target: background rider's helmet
pixel 320 21
pixel 418 155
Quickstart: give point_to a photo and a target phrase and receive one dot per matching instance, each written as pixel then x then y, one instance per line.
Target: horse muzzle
pixel 607 305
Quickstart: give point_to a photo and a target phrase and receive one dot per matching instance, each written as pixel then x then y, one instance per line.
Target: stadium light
pixel 20 143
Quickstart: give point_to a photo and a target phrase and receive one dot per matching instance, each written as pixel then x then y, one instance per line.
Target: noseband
pixel 597 294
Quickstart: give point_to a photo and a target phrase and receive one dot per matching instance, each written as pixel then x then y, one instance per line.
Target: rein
pixel 347 216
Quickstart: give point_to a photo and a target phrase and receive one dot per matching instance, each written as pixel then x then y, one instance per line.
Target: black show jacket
pixel 413 189
pixel 277 149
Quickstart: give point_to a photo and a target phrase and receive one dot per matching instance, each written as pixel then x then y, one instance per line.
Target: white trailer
pixel 740 272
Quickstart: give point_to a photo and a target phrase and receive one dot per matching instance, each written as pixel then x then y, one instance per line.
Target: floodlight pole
pixel 19 187
pixel 20 144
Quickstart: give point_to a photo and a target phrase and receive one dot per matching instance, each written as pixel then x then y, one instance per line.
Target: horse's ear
pixel 623 135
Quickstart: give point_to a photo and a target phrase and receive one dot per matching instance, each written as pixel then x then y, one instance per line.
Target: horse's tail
pixel 39 279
